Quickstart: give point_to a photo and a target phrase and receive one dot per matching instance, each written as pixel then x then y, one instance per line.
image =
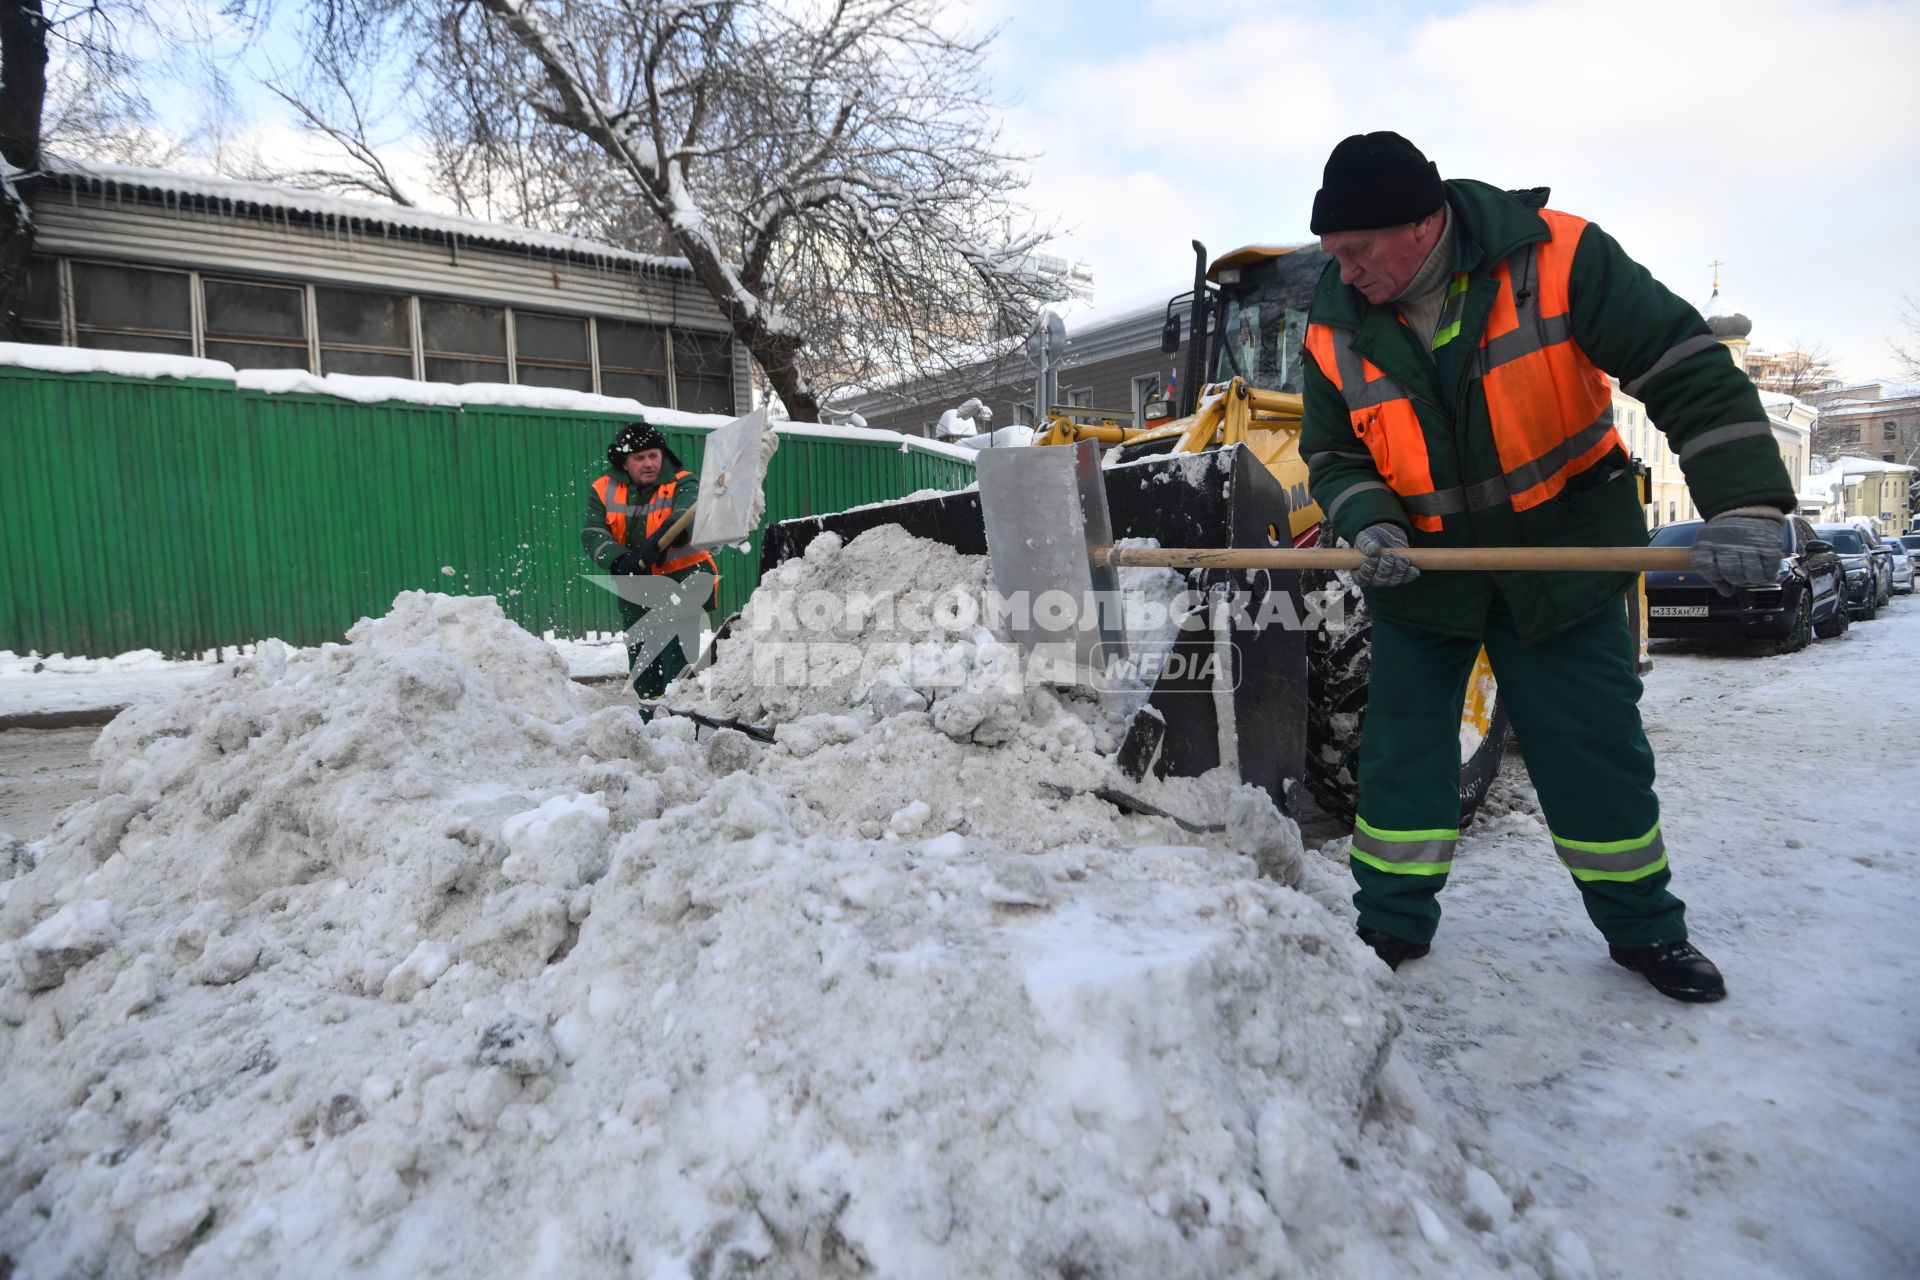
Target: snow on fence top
pixel 236 196
pixel 371 390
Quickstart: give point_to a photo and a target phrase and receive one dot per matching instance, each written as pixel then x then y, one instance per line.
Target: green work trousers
pixel 1573 699
pixel 652 681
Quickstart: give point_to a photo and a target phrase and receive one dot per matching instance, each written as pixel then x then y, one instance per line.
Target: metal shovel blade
pixel 1045 510
pixel 733 473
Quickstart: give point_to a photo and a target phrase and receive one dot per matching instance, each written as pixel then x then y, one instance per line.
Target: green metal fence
pixel 182 515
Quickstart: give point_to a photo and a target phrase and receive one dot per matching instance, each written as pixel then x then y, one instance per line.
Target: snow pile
pixel 396 954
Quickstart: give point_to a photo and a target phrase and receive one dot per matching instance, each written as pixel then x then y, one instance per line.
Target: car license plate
pixel 1678 611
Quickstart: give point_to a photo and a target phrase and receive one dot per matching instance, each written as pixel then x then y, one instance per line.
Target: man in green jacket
pixel 1457 396
pixel 629 510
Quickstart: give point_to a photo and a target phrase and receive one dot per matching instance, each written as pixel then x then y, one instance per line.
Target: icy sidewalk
pixel 1775 1135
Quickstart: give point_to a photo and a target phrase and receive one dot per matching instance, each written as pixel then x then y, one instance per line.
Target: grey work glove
pixel 1739 548
pixel 1384 565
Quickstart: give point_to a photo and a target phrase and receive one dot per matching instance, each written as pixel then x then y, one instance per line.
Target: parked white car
pixel 1902 565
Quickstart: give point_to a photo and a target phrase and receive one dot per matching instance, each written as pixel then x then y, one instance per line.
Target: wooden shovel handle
pixel 673 530
pixel 1586 559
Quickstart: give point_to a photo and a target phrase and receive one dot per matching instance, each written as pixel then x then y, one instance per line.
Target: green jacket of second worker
pixel 1629 325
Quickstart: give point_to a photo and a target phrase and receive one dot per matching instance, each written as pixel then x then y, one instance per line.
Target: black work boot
pixel 1391 949
pixel 1675 969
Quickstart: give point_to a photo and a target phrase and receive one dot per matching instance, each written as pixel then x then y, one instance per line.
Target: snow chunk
pixel 65 940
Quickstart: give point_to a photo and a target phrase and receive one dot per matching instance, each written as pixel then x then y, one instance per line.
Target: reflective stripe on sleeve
pixel 1406 853
pixel 1633 859
pixel 1724 435
pixel 1362 487
pixel 1673 355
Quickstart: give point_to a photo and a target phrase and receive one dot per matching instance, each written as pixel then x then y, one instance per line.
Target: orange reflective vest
pixel 656 513
pixel 1550 408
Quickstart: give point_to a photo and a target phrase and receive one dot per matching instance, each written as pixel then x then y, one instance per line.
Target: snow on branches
pixel 831 172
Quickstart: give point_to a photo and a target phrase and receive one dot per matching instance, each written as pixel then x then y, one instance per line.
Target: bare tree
pixel 1906 348
pixel 1802 369
pixel 829 171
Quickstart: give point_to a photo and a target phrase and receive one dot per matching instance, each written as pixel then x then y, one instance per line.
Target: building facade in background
pixel 1112 363
pixel 265 277
pixel 1878 420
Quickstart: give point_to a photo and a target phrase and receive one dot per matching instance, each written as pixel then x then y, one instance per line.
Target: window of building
pixel 1886 457
pixel 633 361
pixel 364 332
pixel 132 309
pixel 252 325
pixel 551 351
pixel 1146 389
pixel 702 371
pixel 463 341
pixel 1889 431
pixel 42 318
pixel 1080 397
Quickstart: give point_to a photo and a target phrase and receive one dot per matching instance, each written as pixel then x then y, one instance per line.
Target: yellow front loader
pixel 1247 319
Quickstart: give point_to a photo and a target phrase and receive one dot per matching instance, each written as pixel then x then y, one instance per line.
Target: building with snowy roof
pixel 266 277
pixel 1877 491
pixel 1878 419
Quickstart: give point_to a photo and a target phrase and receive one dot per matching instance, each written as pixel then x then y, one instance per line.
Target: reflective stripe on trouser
pixel 1573 701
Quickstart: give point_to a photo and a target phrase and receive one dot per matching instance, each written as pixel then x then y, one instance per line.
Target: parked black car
pixel 1882 556
pixel 1807 601
pixel 1849 541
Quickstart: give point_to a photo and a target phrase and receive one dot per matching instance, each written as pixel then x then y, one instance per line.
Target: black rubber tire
pixel 1836 625
pixel 1802 634
pixel 1338 660
pixel 1872 610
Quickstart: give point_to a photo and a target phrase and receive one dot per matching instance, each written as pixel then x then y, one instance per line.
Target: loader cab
pixel 1260 298
pixel 1248 309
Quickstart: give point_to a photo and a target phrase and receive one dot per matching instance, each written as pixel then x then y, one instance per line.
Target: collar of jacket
pixel 1490 224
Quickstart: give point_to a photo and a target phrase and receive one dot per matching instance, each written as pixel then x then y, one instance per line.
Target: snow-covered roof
pixel 1882 391
pixel 1850 465
pixel 236 196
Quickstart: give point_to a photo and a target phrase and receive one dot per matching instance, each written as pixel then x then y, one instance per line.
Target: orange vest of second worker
pixel 1550 408
pixel 655 512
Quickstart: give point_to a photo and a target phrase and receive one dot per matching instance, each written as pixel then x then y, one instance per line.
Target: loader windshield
pixel 1263 322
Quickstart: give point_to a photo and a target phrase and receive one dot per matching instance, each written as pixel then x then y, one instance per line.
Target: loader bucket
pixel 1220 498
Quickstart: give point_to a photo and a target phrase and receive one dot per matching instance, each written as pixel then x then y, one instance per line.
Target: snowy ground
pixel 34 685
pixel 1035 989
pixel 1776 1134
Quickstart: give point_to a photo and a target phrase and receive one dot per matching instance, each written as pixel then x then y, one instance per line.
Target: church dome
pixel 1726 320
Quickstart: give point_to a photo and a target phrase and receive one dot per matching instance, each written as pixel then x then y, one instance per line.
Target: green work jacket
pixel 1630 326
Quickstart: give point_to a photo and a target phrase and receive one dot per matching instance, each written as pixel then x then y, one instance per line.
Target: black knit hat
pixel 1376 180
pixel 638 437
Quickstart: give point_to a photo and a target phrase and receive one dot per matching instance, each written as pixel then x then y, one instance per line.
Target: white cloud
pixel 1777 136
